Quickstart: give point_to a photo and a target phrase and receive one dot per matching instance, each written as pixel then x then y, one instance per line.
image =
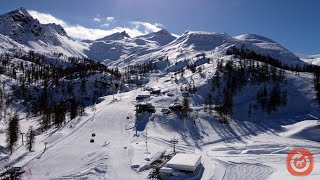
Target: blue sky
pixel 292 23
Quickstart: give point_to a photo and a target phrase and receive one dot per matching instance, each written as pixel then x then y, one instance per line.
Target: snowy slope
pixel 244 149
pixel 241 150
pixel 311 59
pixel 120 46
pixel 106 155
pixel 270 48
pixel 192 43
pixel 9 45
pixel 162 37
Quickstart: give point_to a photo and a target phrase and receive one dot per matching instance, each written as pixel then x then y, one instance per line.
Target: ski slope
pixel 241 150
pixel 71 155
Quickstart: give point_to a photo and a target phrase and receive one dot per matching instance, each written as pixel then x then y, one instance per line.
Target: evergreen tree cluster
pixel 46 84
pixel 134 73
pixel 13 132
pixel 231 76
pixel 271 100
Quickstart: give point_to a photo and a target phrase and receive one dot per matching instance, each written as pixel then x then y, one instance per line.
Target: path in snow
pixel 241 171
pixel 74 157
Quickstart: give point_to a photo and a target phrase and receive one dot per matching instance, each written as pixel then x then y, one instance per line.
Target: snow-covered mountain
pixel 220 42
pixel 162 37
pixel 311 59
pixel 21 27
pixel 268 47
pixel 115 36
pixel 120 48
pixel 190 43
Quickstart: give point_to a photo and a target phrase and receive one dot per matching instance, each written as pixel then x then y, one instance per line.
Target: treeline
pixel 141 68
pixel 245 53
pixel 37 67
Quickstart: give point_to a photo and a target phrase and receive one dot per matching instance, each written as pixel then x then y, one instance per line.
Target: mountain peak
pixel 22 12
pixel 162 37
pixel 18 15
pixel 163 32
pixel 115 36
pixel 125 34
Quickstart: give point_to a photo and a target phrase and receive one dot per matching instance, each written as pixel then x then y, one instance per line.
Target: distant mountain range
pixel 20 31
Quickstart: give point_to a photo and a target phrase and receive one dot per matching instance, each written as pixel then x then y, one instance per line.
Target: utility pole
pixel 22 137
pixel 147 140
pixel 174 142
pixel 136 123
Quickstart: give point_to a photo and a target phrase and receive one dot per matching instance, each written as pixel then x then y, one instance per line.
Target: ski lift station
pixel 182 165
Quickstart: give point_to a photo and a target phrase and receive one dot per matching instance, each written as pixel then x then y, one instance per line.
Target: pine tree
pixel 210 108
pixel 13 132
pixel 60 114
pixel 264 97
pixel 30 139
pixel 74 111
pixel 284 98
pixel 206 103
pixel 46 118
pixel 81 109
pixel 275 99
pixel 250 110
pixel 185 107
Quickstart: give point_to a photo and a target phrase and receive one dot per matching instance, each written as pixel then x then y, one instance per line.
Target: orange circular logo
pixel 300 162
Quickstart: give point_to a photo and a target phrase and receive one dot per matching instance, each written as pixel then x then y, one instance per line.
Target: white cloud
pixel 134 29
pixel 110 19
pixel 96 19
pixel 104 25
pixel 148 27
pixel 46 18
